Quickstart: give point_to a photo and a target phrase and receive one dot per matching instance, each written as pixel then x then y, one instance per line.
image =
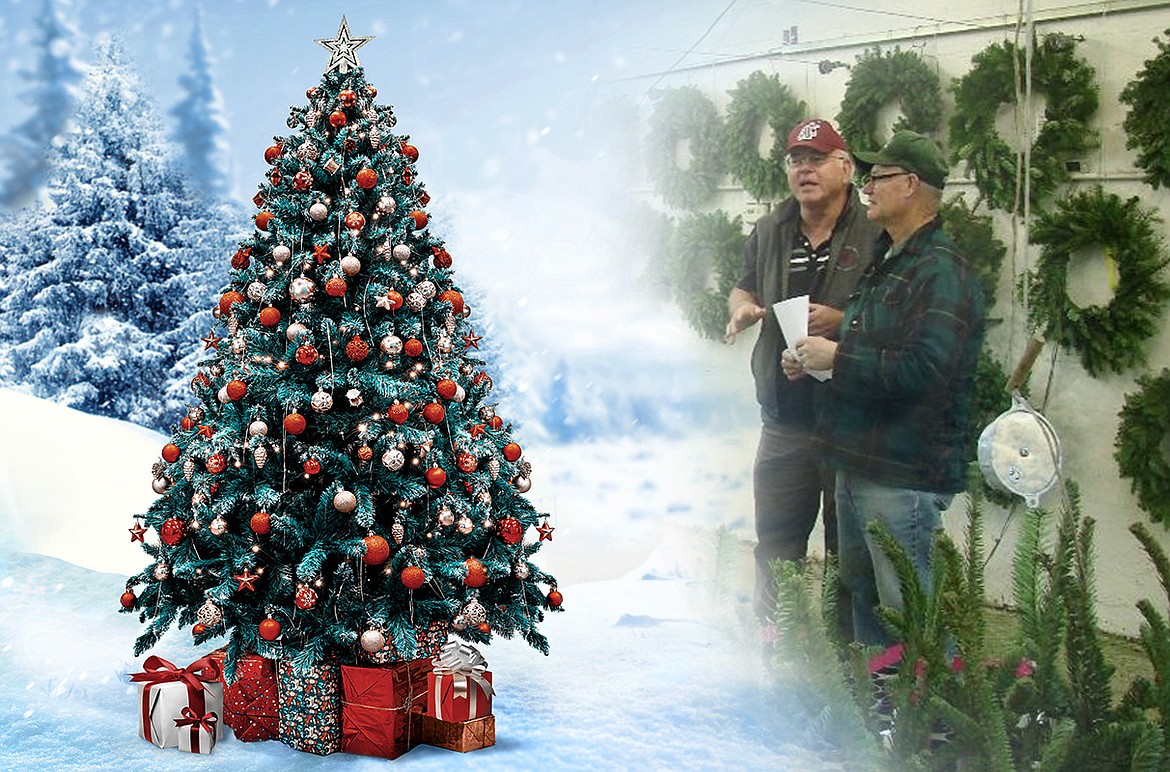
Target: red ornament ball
pixel 398 413
pixel 305 598
pixel 454 298
pixel 467 463
pixel 337 119
pixel 216 463
pixel 269 629
pixel 476 573
pixel 446 388
pixel 484 628
pixel 302 180
pixel 435 477
pixel 306 354
pixel 367 178
pixel 262 219
pixel 555 599
pixel 336 287
pixel 371 92
pixel 420 219
pixel 270 317
pixel 170 452
pixel 510 530
pixel 312 91
pixel 172 531
pixel 357 350
pixel 442 258
pixel 261 523
pixel 377 550
pixel 410 152
pixel 229 299
pixel 496 422
pixel 413 577
pixel 395 299
pixel 347 98
pixel 355 221
pixel 294 423
pixel 413 347
pixel 434 413
pixel 242 259
pixel 365 453
pixel 272 153
pixel 187 424
pixel 512 452
pixel 236 389
pixel 312 466
pixel 128 599
pixel 198 629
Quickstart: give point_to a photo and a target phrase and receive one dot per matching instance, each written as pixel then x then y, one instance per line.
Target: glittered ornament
pixel 172 531
pixel 294 423
pixel 311 466
pixel 355 221
pixel 336 287
pixel 398 413
pixel 446 516
pixel 465 526
pixel 413 577
pixel 365 452
pixel 401 252
pixel 356 350
pixel 216 463
pixel 337 119
pixel 434 413
pixel 260 523
pixel 270 317
pixel 160 484
pixel 466 462
pixel 263 219
pixel 426 288
pixel 305 598
pixel 269 629
pixel 397 531
pixel 350 265
pixel 377 550
pixel 510 530
pixel 161 571
pixel 218 526
pixel 446 388
pixel 344 501
pixel 281 253
pixel 260 455
pixel 474 613
pixel 258 429
pixel 322 401
pixel 367 178
pixel 476 573
pixel 294 330
pixel 209 614
pixel 520 570
pixel 354 397
pixel 318 211
pixel 302 180
pixel 372 641
pixel 393 459
pixel 128 599
pixel 419 218
pixel 236 389
pixel 391 345
pixel 302 289
pixel 413 347
pixel 306 354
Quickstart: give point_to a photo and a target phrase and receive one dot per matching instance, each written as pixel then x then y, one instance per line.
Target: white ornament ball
pixel 521 570
pixel 222 395
pixel 444 344
pixel 161 571
pixel 295 330
pixel 322 401
pixel 355 398
pixel 209 614
pixel 415 302
pixel 446 516
pixel 218 526
pixel 465 525
pixel 351 266
pixel 487 412
pixel 307 151
pixel 459 623
pixel 401 252
pixel 301 289
pixel 258 429
pixel 196 414
pixel 460 394
pixel 281 254
pixel 239 345
pixel 318 211
pixel 393 459
pixel 522 484
pixel 474 613
pixel 426 289
pixel 392 345
pixel 373 641
pixel 256 291
pixel 484 497
pixel 387 205
pixel 344 501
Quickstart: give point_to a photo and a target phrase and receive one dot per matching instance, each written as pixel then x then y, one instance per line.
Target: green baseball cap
pixel 912 151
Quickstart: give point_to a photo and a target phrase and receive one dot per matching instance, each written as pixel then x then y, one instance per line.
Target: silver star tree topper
pixel 343 48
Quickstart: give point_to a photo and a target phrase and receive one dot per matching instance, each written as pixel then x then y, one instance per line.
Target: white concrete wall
pixel 1117 40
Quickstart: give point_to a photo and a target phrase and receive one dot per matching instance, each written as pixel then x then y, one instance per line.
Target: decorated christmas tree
pixel 344 490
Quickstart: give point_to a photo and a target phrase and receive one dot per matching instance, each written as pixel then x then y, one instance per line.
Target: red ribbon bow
pixel 192 719
pixel 158 671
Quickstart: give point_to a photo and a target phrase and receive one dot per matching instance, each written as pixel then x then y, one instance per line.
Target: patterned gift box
pixel 430 641
pixel 462 736
pixel 378 703
pixel 197 734
pixel 164 690
pixel 249 703
pixel 309 707
pixel 460 685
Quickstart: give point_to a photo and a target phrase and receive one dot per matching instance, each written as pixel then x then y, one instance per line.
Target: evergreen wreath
pixel 754 100
pixel 1069 84
pixel 1140 443
pixel 878 79
pixel 706 252
pixel 685 113
pixel 1107 337
pixel 1149 115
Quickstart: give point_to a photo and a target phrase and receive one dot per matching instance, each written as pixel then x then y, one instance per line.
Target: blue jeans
pixel 911 516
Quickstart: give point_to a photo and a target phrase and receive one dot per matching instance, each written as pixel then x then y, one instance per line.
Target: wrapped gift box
pixel 460 685
pixel 377 705
pixel 249 702
pixel 164 690
pixel 462 736
pixel 309 707
pixel 197 734
pixel 429 641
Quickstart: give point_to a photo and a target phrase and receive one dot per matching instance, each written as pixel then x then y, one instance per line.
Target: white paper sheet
pixel 793 317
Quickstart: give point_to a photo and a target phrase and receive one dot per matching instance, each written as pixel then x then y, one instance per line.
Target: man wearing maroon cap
pixel 816 242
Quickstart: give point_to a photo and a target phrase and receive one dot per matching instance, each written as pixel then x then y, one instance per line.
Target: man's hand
pixel 744 316
pixel 791 365
pixel 816 352
pixel 824 321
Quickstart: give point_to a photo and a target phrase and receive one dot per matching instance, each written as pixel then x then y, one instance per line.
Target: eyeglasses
pixel 815 160
pixel 872 178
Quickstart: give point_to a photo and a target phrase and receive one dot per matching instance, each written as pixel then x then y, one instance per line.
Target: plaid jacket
pixel 899 404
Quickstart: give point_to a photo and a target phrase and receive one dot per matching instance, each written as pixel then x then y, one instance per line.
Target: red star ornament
pixel 205 431
pixel 213 342
pixel 321 253
pixel 478 430
pixel 137 533
pixel 545 530
pixel 471 340
pixel 247 580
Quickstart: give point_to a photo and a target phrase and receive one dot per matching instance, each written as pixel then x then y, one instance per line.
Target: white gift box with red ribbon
pixel 460 685
pixel 165 690
pixel 197 734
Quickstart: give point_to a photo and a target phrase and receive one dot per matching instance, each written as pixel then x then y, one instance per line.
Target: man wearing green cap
pixel 896 414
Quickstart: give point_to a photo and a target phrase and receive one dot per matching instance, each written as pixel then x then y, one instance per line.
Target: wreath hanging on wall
pixel 1110 337
pixel 1069 85
pixel 1140 444
pixel 685 113
pixel 757 100
pixel 706 257
pixel 879 79
pixel 1149 116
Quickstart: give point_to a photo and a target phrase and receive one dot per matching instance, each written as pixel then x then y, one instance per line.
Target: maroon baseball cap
pixel 816 134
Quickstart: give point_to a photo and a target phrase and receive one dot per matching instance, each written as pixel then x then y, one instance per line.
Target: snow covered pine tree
pixel 345 489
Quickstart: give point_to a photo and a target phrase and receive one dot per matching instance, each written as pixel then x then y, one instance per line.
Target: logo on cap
pixel 808 131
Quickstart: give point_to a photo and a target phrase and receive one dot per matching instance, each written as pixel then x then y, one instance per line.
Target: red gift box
pixel 249 702
pixel 376 707
pixel 460 686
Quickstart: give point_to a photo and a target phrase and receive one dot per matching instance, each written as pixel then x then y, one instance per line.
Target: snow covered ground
pixel 652 666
